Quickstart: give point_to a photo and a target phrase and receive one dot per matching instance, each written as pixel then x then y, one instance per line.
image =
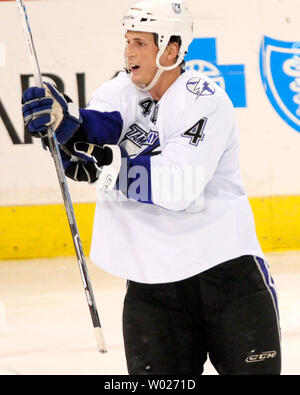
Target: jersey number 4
pixel 195 133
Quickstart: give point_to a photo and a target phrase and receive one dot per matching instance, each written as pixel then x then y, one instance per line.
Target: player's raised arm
pixel 46 106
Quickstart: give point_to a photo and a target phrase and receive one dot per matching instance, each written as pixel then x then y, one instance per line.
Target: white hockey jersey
pixel 180 207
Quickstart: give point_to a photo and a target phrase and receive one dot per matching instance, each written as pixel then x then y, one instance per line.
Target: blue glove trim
pixel 37 113
pixel 36 107
pixel 67 128
pixel 38 124
pixel 33 93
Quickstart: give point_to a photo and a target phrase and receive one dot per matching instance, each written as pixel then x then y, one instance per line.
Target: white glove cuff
pixel 109 174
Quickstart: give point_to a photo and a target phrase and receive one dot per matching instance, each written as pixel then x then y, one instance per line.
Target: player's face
pixel 140 54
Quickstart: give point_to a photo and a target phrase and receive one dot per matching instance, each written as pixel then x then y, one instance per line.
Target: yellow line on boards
pixel 43 230
pixel 277 220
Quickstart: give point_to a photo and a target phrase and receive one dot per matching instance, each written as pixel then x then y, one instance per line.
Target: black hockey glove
pixel 92 162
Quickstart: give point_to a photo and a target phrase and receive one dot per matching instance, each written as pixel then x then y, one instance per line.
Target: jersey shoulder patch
pixel 200 86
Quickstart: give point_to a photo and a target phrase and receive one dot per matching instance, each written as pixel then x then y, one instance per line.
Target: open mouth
pixel 134 68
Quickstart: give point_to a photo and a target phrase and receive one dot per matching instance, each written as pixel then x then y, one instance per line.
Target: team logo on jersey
pixel 136 135
pixel 200 87
pixel 202 57
pixel 139 141
pixel 280 73
pixel 140 137
pixel 176 8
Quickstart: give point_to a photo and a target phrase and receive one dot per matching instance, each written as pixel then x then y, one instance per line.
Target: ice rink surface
pixel 46 328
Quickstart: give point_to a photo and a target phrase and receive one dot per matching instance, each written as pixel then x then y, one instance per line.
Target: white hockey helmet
pixel 166 18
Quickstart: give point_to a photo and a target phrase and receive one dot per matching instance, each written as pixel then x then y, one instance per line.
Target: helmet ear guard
pixel 166 19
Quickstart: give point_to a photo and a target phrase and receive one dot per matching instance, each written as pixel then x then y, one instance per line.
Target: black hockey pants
pixel 228 313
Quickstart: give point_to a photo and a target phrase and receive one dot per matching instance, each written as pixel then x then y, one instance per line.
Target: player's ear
pixel 172 51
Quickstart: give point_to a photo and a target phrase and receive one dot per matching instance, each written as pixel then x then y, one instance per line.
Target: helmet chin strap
pixel 160 70
pixel 147 88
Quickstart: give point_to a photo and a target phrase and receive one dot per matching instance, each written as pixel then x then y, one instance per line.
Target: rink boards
pixel 256 62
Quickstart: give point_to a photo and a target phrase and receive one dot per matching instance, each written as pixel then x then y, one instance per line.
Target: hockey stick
pixel 64 187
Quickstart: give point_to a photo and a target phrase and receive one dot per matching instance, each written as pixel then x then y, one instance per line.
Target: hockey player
pixel 172 216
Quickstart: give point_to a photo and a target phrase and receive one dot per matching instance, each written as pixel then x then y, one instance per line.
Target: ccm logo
pixel 261 357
